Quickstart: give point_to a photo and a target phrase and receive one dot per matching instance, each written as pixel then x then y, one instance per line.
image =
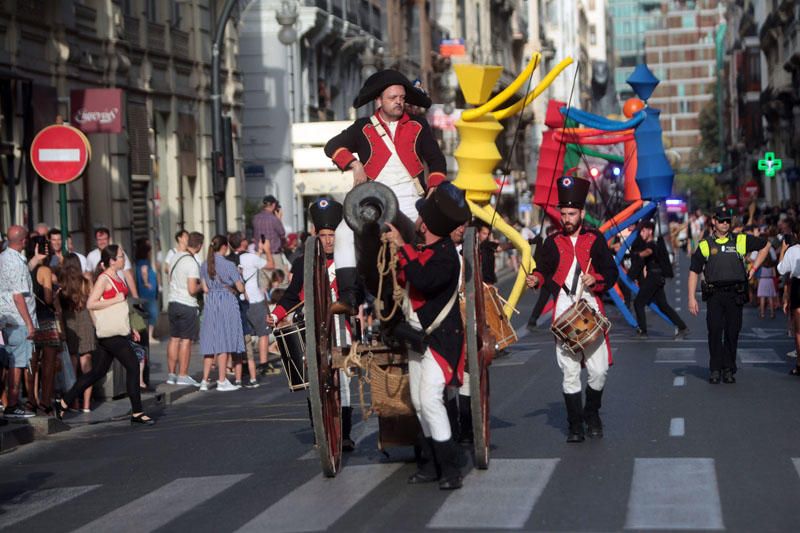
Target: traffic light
pixel 612 171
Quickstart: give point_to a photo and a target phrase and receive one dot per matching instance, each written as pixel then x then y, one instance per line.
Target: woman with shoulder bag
pixel 109 309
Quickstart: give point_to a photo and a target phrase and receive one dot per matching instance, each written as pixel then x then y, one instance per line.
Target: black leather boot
pixel 347 423
pixel 447 455
pixel 348 283
pixel 465 435
pixel 591 413
pixel 427 468
pixel 574 404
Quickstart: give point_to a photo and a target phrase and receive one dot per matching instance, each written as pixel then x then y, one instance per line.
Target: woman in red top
pixel 109 289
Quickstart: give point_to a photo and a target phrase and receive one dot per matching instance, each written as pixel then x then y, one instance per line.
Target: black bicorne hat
pixel 325 214
pixel 444 210
pixel 378 82
pixel 572 192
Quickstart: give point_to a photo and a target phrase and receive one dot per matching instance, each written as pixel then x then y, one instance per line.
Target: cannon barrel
pixel 367 209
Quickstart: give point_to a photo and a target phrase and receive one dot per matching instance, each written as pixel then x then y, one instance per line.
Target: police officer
pixel 720 258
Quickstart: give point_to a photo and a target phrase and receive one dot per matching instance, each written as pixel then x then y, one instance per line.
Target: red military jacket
pixel 556 259
pixel 414 142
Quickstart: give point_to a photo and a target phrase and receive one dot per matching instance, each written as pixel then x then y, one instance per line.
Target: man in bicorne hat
pixel 391 147
pixel 431 277
pixel 563 268
pixel 326 214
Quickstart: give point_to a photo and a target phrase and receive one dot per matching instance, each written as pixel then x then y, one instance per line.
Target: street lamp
pixel 286 17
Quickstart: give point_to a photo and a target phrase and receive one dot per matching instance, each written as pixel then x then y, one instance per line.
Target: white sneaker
pixel 253 384
pixel 172 379
pixel 204 385
pixel 187 380
pixel 226 386
pixel 792 353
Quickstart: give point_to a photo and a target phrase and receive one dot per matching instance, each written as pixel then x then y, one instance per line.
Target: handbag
pixel 112 320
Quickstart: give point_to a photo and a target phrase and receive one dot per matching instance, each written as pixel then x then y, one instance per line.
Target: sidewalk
pixel 19 432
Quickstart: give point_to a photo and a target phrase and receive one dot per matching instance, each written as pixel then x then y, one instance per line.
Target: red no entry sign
pixel 60 153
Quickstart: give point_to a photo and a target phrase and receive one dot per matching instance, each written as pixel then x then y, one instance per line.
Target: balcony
pixel 180 43
pixel 156 37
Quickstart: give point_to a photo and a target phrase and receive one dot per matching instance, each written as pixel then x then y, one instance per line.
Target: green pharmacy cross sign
pixel 769 164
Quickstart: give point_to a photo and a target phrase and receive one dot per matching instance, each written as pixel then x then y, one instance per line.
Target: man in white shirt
pixel 103 238
pixel 183 311
pixel 17 316
pixel 181 243
pixel 251 263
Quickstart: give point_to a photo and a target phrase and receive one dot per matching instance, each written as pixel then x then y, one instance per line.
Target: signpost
pixel 59 154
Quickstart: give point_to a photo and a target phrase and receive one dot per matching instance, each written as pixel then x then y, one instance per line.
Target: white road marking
pixel 677 427
pixel 59 155
pixel 679 381
pixel 158 508
pixel 501 497
pixel 675 355
pixel 33 502
pixel 796 462
pixel 760 356
pixel 674 493
pixel 317 504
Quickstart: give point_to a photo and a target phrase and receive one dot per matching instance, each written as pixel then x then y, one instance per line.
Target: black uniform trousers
pixel 652 290
pixel 724 321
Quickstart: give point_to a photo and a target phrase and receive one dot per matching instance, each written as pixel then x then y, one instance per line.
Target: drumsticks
pixel 580 289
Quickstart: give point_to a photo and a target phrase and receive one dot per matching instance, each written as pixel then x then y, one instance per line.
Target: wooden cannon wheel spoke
pixel 480 348
pixel 323 378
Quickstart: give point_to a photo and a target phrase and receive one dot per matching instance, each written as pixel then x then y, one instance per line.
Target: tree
pixel 700 190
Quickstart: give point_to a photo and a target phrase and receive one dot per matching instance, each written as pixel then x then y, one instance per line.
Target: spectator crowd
pixel 66 316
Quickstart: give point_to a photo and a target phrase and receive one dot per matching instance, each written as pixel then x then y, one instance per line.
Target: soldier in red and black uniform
pixel 431 276
pixel 563 266
pixel 390 147
pixel 326 215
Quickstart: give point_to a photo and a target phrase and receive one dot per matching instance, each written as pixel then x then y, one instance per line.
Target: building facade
pixel 681 51
pixel 630 19
pixel 154 175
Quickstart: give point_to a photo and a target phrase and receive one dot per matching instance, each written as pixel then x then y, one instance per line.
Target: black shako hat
pixel 444 210
pixel 572 191
pixel 378 82
pixel 723 213
pixel 325 214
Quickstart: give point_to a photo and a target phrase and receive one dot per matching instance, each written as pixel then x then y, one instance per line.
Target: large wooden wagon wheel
pixel 322 377
pixel 480 347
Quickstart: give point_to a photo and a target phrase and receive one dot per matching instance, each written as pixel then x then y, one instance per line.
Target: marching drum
pixel 579 327
pixel 291 341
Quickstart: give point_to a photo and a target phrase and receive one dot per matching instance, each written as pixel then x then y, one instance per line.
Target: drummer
pixel 325 214
pixel 431 276
pixel 563 268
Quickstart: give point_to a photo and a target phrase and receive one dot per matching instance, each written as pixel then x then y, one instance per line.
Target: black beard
pixel 574 231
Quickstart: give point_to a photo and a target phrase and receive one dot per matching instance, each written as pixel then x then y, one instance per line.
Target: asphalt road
pixel 678 453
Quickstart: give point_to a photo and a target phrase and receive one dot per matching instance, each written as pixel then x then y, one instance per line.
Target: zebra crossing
pixel 664 494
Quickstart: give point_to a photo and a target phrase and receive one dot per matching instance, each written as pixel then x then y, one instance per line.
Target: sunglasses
pixel 724 220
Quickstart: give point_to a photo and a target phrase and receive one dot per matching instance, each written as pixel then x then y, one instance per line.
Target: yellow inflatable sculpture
pixel 477 154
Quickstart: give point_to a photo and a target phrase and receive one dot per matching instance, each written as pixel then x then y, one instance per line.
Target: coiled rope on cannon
pixel 388 267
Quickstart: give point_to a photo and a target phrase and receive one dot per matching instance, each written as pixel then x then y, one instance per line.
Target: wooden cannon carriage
pixel 324 359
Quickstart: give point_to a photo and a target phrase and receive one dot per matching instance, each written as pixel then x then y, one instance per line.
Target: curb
pixel 21 432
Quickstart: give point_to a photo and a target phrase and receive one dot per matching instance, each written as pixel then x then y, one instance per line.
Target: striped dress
pixel 221 328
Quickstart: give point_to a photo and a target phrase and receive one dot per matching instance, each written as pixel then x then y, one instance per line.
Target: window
pixel 592 34
pixel 151 10
pixel 175 17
